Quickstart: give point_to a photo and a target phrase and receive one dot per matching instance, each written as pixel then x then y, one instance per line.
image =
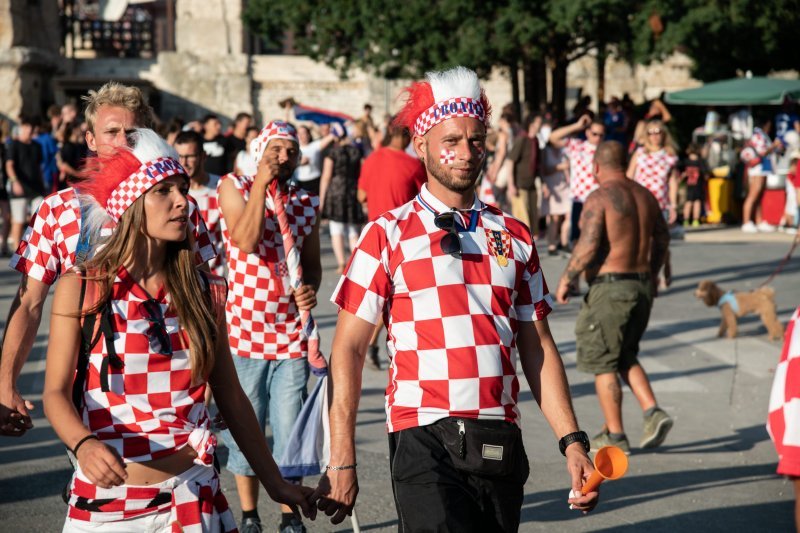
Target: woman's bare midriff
pixel 158 470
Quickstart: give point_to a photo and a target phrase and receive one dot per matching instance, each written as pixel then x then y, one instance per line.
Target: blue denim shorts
pixel 276 388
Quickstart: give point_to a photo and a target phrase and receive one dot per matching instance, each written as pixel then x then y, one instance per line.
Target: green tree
pixel 407 38
pixel 723 37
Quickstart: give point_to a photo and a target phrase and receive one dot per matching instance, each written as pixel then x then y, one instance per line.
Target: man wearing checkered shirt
pixel 49 246
pixel 264 316
pixel 460 288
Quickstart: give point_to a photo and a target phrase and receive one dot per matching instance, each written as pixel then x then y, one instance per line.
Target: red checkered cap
pixel 277 129
pixel 138 183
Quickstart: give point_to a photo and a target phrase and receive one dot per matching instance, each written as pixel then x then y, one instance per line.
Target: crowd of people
pixel 189 262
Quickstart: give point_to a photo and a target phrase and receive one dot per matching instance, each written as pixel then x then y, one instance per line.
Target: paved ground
pixel 714 473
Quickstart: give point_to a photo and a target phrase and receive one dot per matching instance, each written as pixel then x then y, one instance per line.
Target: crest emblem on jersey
pixel 499 244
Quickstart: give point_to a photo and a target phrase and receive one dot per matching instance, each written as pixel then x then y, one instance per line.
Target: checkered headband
pixel 277 129
pixel 116 181
pixel 444 95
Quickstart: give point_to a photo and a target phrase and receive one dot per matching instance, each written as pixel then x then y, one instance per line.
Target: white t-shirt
pixel 313 169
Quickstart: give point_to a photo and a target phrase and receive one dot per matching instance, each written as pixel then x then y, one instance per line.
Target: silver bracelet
pixel 343 467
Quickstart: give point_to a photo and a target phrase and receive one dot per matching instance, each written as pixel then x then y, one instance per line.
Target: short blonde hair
pixel 117 95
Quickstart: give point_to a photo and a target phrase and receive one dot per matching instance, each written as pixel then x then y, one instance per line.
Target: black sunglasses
pixel 450 243
pixel 157 332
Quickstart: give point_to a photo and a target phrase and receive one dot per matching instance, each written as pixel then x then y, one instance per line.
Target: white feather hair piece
pixel 454 83
pixel 147 145
pixel 94 216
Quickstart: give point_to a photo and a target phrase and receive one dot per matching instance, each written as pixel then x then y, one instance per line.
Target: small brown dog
pixel 733 304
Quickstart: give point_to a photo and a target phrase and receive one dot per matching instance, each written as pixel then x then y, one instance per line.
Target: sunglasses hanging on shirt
pixel 450 243
pixel 157 334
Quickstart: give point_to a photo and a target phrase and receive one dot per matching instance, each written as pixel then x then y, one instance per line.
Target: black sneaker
pixel 251 525
pixel 295 526
pixel 374 361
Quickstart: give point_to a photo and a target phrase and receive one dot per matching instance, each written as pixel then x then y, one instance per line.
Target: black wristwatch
pixel 570 438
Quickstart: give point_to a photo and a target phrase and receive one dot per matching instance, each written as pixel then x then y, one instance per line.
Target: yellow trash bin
pixel 720 202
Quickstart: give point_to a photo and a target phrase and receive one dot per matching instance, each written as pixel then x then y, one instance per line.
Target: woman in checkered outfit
pixel 140 434
pixel 654 166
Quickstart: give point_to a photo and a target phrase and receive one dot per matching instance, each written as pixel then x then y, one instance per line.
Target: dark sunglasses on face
pixel 595 133
pixel 157 334
pixel 450 243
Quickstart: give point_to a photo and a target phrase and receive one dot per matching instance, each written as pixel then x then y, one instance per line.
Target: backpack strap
pixel 90 334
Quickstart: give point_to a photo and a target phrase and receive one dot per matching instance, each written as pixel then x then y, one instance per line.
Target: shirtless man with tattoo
pixel 621 248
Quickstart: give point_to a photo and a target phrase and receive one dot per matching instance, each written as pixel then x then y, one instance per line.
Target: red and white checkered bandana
pixel 277 129
pixel 450 108
pixel 138 183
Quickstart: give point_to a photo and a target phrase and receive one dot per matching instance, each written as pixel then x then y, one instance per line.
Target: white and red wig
pixel 443 95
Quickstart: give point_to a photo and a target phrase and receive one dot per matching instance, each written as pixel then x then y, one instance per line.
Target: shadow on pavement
pixel 743 439
pixel 742 518
pixel 630 491
pixel 39 485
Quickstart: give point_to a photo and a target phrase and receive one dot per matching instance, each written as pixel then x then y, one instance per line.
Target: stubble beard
pixel 442 174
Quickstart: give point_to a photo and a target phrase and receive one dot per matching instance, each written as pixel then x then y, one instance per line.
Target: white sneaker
pixel 749 227
pixel 788 230
pixel 765 227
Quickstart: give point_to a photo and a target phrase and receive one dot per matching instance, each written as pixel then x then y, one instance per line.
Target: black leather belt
pixel 608 278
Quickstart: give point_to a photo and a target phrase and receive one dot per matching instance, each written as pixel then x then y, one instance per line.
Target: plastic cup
pixel 609 463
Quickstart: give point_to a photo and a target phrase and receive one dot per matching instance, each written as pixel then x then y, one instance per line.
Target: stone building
pixel 193 57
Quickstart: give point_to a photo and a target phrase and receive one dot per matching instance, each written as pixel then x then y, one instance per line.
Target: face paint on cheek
pixel 447 157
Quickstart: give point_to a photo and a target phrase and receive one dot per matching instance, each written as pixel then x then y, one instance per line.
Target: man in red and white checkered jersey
pixel 581 157
pixel 264 323
pixel 460 289
pixel 203 188
pixel 48 247
pixel 783 422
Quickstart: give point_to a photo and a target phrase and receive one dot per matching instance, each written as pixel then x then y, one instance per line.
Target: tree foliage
pixel 723 37
pixel 409 37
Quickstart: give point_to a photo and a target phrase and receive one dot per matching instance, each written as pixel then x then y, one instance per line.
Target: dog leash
pixel 784 261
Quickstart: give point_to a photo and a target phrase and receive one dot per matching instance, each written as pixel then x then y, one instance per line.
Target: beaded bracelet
pixel 344 467
pixel 84 439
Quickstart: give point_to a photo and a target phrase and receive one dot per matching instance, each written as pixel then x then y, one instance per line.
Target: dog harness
pixel 730 299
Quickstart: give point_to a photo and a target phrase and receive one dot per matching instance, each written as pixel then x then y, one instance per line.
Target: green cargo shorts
pixel 611 322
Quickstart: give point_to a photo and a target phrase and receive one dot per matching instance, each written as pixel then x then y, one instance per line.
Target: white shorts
pixel 23 208
pixel 339 228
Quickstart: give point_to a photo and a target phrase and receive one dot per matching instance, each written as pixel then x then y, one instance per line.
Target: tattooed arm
pixel 592 226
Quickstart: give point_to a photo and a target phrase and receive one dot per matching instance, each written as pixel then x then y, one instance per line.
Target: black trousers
pixel 574 219
pixel 431 494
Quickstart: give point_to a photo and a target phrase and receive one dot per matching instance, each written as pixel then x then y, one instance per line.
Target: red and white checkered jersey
pixel 152 407
pixel 208 205
pixel 653 170
pixel 263 320
pixel 47 248
pixel 783 421
pixel 194 505
pixel 452 322
pixel 581 176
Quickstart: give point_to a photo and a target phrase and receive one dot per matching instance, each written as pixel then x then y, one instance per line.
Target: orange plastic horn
pixel 609 463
